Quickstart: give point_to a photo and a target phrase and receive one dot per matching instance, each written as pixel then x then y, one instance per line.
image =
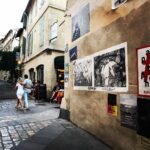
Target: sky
pixel 10 15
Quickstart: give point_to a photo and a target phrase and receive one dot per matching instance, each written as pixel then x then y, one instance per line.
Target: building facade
pixel 43 24
pixel 8 44
pixel 101 70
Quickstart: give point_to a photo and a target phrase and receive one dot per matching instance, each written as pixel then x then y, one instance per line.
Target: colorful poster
pixel 66 74
pixel 112 104
pixel 117 3
pixel 143 70
pixel 143 117
pixel 83 73
pixel 111 69
pixel 128 110
pixel 81 23
pixel 73 54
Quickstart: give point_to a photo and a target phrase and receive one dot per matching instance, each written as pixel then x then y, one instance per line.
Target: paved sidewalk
pixel 61 135
pixel 17 126
pixel 7 90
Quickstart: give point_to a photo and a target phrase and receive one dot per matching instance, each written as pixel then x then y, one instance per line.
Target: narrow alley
pixel 40 128
pixel 75 74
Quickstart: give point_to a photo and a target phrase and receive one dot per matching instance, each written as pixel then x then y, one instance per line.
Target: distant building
pixel 42 56
pixel 1 44
pixel 9 41
pixel 8 44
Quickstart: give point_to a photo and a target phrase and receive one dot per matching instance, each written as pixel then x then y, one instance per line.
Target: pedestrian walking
pixel 27 90
pixel 19 93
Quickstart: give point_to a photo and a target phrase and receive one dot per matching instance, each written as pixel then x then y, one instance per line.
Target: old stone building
pixel 101 76
pixel 43 24
pixel 8 44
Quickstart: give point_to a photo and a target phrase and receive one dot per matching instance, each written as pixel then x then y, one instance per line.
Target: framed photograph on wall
pixel 143 70
pixel 128 110
pixel 83 73
pixel 81 23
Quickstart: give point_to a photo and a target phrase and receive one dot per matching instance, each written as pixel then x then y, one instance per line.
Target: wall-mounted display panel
pixel 143 70
pixel 111 69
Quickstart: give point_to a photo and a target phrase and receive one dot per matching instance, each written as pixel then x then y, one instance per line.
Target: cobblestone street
pixel 17 126
pixel 39 128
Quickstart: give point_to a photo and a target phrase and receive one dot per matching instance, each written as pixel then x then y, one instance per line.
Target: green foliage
pixel 7 61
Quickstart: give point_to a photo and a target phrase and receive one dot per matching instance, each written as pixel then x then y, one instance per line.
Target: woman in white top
pixel 20 92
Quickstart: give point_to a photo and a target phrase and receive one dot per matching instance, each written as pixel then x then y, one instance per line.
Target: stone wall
pixel 88 109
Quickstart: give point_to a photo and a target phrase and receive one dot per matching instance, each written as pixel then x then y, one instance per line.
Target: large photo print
pixel 110 69
pixel 83 73
pixel 81 23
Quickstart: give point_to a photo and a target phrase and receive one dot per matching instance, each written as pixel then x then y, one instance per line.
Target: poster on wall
pixel 81 23
pixel 83 73
pixel 111 69
pixel 143 117
pixel 128 110
pixel 66 76
pixel 73 54
pixel 143 70
pixel 112 104
pixel 117 3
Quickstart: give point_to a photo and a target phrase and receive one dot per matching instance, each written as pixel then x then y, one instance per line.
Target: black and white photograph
pixel 81 23
pixel 128 110
pixel 83 73
pixel 117 3
pixel 110 69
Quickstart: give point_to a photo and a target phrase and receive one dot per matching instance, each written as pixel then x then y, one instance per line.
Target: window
pixel 40 3
pixel 32 74
pixel 23 46
pixel 41 32
pixel 30 44
pixel 40 73
pixel 53 32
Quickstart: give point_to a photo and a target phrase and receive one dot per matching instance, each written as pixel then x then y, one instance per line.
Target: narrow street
pixel 40 128
pixel 17 125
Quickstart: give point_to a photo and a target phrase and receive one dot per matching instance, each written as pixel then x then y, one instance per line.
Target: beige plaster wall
pixel 129 23
pixel 49 71
pixel 51 15
pixel 52 11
